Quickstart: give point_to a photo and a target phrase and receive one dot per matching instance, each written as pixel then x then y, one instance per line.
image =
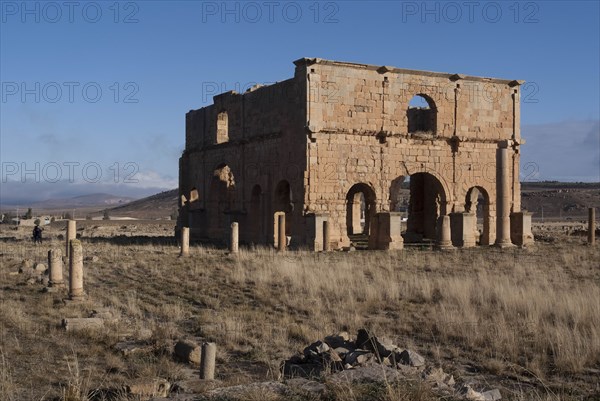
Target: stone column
pixel 281 238
pixel 185 241
pixel 55 268
pixel 326 236
pixel 207 367
pixel 591 226
pixel 502 197
pixel 235 235
pixel 71 234
pixel 444 233
pixel 75 270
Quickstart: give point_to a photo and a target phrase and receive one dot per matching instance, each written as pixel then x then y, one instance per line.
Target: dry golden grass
pixel 527 321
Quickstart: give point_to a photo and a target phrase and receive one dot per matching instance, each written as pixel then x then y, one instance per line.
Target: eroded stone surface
pixel 336 142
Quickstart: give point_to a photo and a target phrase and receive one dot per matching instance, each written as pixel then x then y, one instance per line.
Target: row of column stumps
pixel 185 240
pixel 74 251
pixel 444 227
pixel 234 242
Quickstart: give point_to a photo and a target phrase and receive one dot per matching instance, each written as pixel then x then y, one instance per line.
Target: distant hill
pixel 161 205
pixel 560 199
pixel 84 201
pixel 532 185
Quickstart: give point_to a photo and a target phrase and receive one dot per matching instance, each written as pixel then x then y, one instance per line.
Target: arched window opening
pixel 222 127
pixel 422 115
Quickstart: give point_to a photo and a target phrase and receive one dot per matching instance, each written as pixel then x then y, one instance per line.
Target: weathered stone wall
pixel 337 130
pixel 265 146
pixel 359 134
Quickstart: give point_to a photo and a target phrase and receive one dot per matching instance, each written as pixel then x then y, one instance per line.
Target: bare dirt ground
pixel 525 321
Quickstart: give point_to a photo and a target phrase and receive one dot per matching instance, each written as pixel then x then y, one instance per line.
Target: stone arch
pixel 360 201
pixel 477 201
pixel 416 168
pixel 422 115
pixel 222 127
pixel 428 201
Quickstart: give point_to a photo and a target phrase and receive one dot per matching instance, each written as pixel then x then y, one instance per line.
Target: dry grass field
pixel 526 321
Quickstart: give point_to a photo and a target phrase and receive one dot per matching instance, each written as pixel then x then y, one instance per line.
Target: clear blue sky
pixel 155 60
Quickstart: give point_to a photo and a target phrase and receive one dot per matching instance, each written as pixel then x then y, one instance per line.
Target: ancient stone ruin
pixel 363 152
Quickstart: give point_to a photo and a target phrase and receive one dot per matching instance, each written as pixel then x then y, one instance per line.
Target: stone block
pixel 148 387
pixel 520 228
pixel 84 323
pixel 462 226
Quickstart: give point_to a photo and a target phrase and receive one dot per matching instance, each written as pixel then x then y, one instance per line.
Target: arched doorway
pixel 422 115
pixel 427 202
pixel 360 207
pixel 400 195
pixel 477 202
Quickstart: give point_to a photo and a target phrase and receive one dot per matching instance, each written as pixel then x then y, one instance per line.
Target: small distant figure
pixel 37 235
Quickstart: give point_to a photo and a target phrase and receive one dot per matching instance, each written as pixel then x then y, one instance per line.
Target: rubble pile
pixel 370 358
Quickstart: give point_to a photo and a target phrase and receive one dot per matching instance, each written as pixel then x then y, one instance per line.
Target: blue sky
pixel 92 88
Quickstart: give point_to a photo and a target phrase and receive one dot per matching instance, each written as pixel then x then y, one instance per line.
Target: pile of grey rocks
pixel 369 358
pixel 340 352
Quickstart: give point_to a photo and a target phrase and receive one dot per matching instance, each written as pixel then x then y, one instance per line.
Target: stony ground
pixel 526 322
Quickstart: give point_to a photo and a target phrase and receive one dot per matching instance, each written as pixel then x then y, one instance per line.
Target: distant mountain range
pixel 83 201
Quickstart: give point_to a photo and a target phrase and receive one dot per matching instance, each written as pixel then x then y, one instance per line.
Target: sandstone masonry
pixel 346 148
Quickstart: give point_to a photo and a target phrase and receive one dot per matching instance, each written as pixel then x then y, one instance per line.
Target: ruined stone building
pixel 387 156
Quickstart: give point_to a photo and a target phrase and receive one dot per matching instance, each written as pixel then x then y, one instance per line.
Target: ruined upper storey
pixel 329 96
pixel 259 113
